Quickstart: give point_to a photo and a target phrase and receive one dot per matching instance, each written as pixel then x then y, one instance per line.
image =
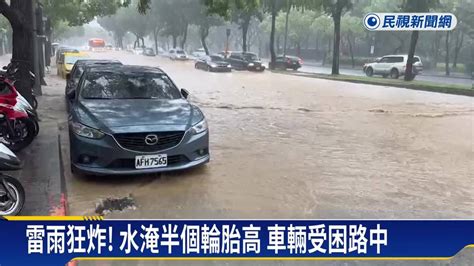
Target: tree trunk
pixel 245 29
pixel 120 42
pixel 204 32
pixel 143 42
pixel 175 41
pixel 457 48
pixel 349 36
pixel 337 42
pixel 137 42
pixel 446 59
pixel 277 44
pixel 411 53
pixel 328 52
pixel 155 38
pixel 272 36
pixel 436 50
pixel 288 9
pixel 20 16
pixel 185 36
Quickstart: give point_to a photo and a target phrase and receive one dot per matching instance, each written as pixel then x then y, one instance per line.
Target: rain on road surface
pixel 292 147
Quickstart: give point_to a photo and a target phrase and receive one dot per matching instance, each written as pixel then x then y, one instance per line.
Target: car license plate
pixel 151 161
pixel 258 68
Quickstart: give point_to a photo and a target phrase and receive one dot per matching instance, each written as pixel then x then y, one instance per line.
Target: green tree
pixel 351 28
pixel 205 21
pixel 115 24
pixel 242 15
pixel 324 28
pixel 298 25
pixel 415 6
pixel 175 17
pixel 335 8
pixel 19 14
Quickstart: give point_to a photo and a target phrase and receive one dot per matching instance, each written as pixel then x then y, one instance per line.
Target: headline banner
pixel 52 241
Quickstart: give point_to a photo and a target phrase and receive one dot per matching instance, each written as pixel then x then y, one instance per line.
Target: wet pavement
pixel 293 147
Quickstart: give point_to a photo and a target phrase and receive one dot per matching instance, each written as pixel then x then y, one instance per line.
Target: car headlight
pixel 213 65
pixel 229 65
pixel 251 64
pixel 200 127
pixel 85 131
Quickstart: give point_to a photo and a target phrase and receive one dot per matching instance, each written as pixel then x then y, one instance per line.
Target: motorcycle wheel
pixel 37 127
pixel 28 133
pixel 35 103
pixel 10 206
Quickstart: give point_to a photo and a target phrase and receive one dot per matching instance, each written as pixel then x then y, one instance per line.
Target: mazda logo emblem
pixel 151 139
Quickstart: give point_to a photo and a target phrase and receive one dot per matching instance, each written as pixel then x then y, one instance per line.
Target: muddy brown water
pixel 293 147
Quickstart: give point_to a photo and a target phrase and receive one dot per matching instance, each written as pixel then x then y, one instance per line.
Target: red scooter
pixel 10 96
pixel 17 129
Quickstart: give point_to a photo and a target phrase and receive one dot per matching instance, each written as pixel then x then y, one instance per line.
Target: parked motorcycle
pixel 11 96
pixel 17 129
pixel 10 72
pixel 12 193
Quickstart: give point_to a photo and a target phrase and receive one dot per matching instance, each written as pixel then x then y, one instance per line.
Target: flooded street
pixel 292 147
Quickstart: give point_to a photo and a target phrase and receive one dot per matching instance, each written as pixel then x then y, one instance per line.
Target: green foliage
pixel 64 31
pixel 336 7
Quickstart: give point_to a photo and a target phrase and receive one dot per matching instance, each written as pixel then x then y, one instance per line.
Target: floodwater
pixel 293 147
pixel 284 146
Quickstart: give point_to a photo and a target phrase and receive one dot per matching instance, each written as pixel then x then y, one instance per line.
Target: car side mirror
pixel 185 93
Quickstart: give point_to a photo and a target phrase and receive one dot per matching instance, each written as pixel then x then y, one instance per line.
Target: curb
pixel 454 91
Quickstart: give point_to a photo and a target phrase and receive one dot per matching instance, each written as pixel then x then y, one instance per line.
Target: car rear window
pixel 72 59
pixel 252 57
pixel 113 85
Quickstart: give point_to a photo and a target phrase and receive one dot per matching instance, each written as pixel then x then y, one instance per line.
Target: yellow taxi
pixel 67 60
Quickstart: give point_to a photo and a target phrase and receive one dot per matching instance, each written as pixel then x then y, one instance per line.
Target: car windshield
pixel 215 58
pixel 180 52
pixel 72 59
pixel 252 57
pixel 113 85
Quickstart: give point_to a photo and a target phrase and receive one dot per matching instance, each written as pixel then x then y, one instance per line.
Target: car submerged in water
pixel 245 61
pixel 134 120
pixel 213 63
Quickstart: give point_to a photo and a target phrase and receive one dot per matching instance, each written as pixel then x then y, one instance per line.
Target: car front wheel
pixel 369 72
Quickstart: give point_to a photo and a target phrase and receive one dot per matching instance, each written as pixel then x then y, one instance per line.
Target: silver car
pixel 134 120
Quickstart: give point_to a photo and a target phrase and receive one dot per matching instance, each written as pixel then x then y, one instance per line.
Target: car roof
pixel 124 69
pixel 394 55
pixel 97 62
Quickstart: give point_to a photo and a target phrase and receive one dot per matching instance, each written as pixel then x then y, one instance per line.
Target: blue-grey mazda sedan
pixel 133 120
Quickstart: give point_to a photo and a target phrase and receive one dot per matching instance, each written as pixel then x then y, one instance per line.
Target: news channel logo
pixel 410 21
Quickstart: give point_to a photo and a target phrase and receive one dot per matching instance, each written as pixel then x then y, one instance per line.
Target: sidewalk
pixel 41 175
pixel 428 72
